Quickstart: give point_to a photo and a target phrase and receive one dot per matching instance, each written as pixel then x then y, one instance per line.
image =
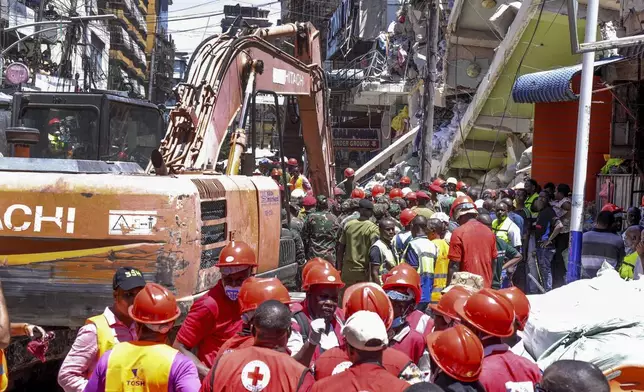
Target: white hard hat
pixel 365 331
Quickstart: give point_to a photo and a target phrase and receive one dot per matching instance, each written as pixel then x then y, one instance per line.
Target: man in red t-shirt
pixel 216 317
pixel 472 247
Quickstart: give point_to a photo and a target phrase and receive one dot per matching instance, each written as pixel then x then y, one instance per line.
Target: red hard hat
pixel 377 190
pixel 154 305
pixel 357 193
pixel 460 201
pixel 309 201
pixel 237 253
pixel 445 306
pixel 349 172
pixel 275 173
pixel 403 276
pixel 405 180
pixel 292 162
pixel 489 312
pixel 422 195
pixel 411 196
pixel 395 192
pixel 370 297
pixel 53 121
pixel 254 291
pixel 312 263
pixel 406 216
pixel 612 208
pixel 521 305
pixel 338 192
pixel 437 186
pixel 458 352
pixel 321 275
pixel 461 185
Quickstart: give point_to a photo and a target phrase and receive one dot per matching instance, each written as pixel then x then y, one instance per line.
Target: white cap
pixel 406 190
pixel 441 216
pixel 452 180
pixel 365 331
pixel 298 193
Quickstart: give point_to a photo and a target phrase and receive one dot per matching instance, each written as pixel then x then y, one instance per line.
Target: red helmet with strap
pixel 349 172
pixel 377 190
pixel 154 305
pixel 445 305
pixel 489 312
pixel 458 352
pixel 313 263
pixel 403 276
pixel 395 192
pixel 321 275
pixel 370 297
pixel 461 202
pixel 406 216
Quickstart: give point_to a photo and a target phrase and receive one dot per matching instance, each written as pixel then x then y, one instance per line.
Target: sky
pixel 187 34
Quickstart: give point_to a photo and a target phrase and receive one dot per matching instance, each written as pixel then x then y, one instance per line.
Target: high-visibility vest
pixel 529 202
pixel 386 255
pixel 501 229
pixel 296 184
pixel 627 268
pixel 441 269
pixel 426 252
pixel 4 376
pixel 104 335
pixel 139 366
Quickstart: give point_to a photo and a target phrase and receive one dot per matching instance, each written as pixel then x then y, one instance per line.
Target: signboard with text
pixel 362 139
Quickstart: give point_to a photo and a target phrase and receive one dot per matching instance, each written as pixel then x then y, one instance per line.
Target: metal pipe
pixel 8 48
pixel 581 149
pixel 238 140
pixel 278 31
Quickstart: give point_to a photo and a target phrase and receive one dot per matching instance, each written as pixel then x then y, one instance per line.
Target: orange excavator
pixel 68 221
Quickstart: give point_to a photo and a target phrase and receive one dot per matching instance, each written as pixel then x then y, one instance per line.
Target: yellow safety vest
pixel 296 184
pixel 500 229
pixel 427 252
pixel 139 366
pixel 386 255
pixel 4 376
pixel 104 335
pixel 528 204
pixel 441 269
pixel 627 268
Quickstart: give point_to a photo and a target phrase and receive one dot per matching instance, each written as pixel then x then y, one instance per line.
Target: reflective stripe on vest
pixel 426 252
pixel 386 255
pixel 4 376
pixel 139 366
pixel 441 269
pixel 104 335
pixel 296 184
pixel 501 230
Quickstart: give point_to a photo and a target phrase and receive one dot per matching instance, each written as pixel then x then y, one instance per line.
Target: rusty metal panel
pixel 269 222
pixel 622 192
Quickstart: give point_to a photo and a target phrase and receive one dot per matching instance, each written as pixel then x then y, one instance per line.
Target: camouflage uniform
pixel 380 210
pixel 320 234
pixel 293 233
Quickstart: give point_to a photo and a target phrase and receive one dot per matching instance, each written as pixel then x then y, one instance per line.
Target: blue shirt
pixel 517 219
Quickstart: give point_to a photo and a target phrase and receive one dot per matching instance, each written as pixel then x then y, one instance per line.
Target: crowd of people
pixel 403 291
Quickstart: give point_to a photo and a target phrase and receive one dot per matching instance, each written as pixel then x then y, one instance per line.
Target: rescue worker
pixel 405 278
pixel 348 185
pixel 277 176
pixel 216 317
pixel 100 333
pixel 308 207
pixel 507 258
pixel 382 255
pixel 253 293
pixel 490 315
pixel 457 356
pixel 288 232
pixel 436 232
pixel 377 191
pixel 318 318
pixel 265 366
pixel 54 137
pixel 321 232
pixel 521 306
pixel 411 199
pixel 437 188
pixel 532 191
pixel 402 239
pixel 368 297
pixel 445 315
pixel 421 254
pixel 349 211
pixel 504 228
pixel 366 338
pixel 394 193
pixel 405 182
pixel 422 208
pixel 353 250
pixel 147 363
pixel 298 181
pixel 461 186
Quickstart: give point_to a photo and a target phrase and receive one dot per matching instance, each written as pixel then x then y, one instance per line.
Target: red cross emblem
pixel 255 376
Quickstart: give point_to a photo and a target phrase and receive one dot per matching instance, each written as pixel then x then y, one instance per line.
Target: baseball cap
pixel 365 331
pixel 127 278
pixel 364 203
pixel 452 180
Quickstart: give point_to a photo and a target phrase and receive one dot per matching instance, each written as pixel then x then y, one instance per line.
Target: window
pixel 134 132
pixel 97 49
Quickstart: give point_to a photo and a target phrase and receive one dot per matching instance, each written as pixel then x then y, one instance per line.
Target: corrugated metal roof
pixel 550 86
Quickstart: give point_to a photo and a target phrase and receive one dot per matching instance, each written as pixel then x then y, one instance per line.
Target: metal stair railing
pixel 364 68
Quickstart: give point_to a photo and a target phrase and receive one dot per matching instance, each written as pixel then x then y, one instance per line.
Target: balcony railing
pixel 367 67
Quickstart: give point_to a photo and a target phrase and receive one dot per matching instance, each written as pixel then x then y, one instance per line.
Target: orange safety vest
pixel 139 366
pixel 4 375
pixel 104 335
pixel 296 184
pixel 256 368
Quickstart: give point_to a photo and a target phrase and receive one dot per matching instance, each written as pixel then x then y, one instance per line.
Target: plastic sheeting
pixel 445 133
pixel 596 320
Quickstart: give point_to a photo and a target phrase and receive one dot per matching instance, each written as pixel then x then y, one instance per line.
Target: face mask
pixel 231 292
pixel 160 328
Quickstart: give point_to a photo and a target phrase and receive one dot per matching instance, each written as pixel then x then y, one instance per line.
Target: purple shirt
pixel 183 375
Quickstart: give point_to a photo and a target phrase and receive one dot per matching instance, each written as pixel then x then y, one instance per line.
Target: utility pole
pixel 153 60
pixel 428 93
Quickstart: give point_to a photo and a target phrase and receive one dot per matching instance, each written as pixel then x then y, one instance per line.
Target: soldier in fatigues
pixel 321 232
pixel 291 232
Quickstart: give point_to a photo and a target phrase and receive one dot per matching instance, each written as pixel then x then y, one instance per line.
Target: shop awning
pixel 551 86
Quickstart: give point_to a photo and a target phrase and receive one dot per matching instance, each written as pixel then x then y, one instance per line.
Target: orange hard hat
pixel 321 275
pixel 488 311
pixel 292 162
pixel 445 306
pixel 403 276
pixel 357 194
pixel 237 253
pixel 521 305
pixel 411 196
pixel 275 173
pixel 154 305
pixel 313 263
pixel 406 216
pixel 461 185
pixel 395 192
pixel 461 202
pixel 405 180
pixel 377 190
pixel 254 291
pixel 437 186
pixel 458 352
pixel 349 172
pixel 370 297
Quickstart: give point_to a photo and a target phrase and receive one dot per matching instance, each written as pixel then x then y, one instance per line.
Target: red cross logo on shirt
pixel 255 376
